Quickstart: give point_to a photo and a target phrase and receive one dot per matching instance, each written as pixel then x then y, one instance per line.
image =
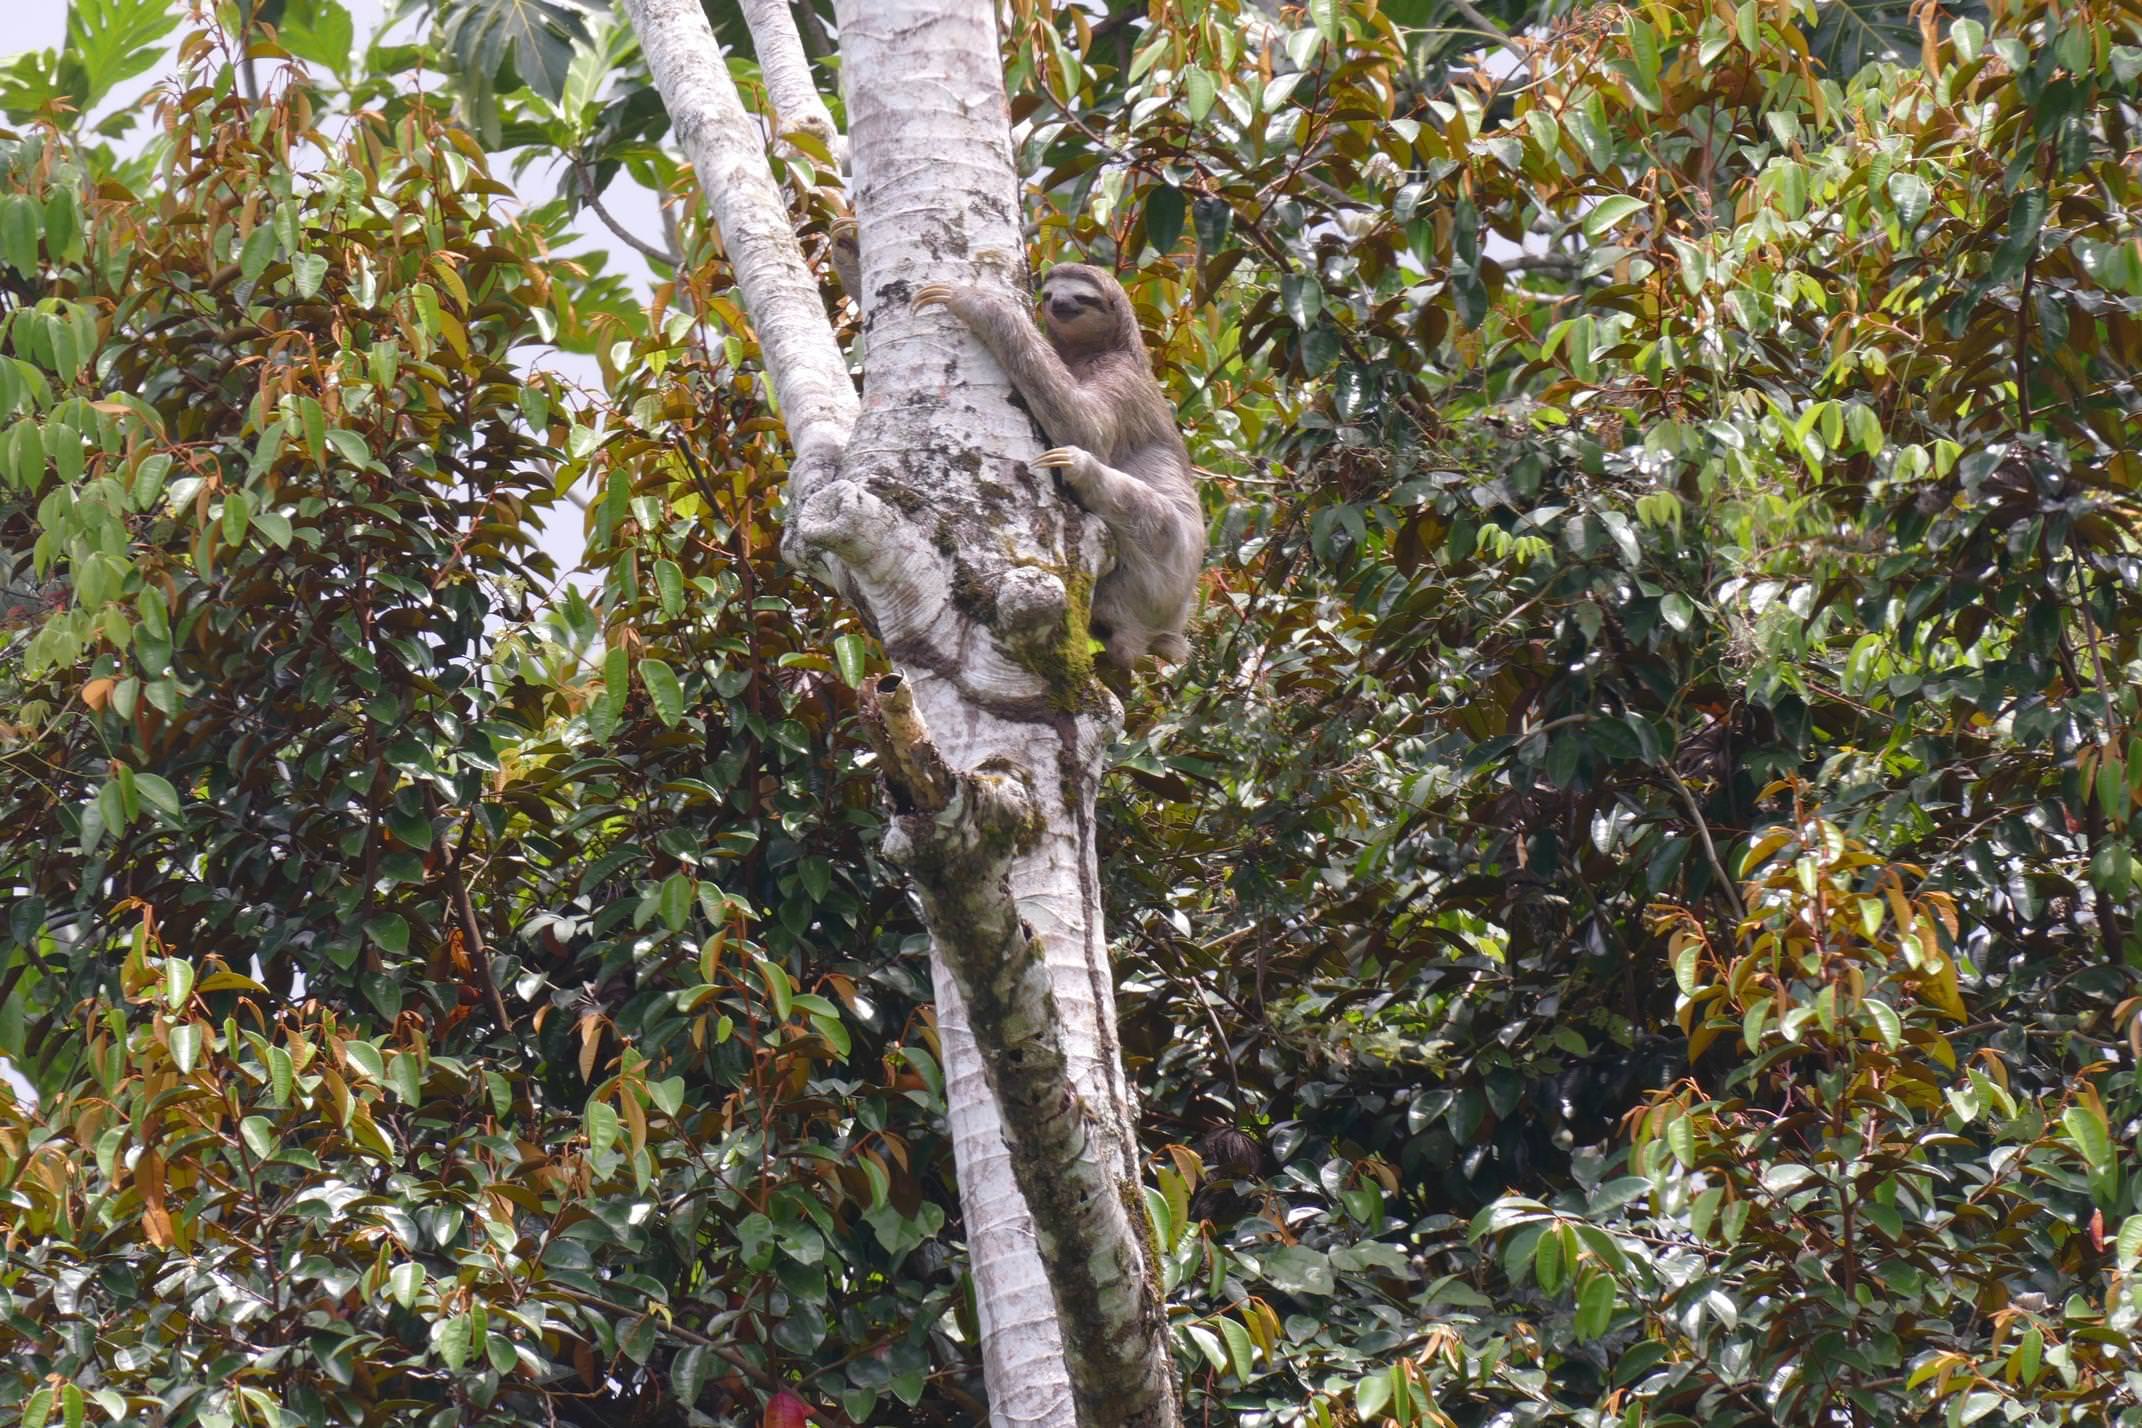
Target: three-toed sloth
pixel 1086 378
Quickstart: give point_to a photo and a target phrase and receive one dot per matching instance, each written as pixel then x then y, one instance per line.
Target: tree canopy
pixel 1627 916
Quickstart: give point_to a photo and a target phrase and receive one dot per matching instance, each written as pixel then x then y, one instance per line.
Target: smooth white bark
pixel 935 189
pixel 787 72
pixel 723 141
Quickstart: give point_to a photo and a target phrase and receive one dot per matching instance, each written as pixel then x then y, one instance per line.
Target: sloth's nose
pixel 1064 310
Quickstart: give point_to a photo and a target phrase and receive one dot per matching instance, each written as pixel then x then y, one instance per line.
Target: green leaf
pixel 237 516
pixel 2029 1356
pixel 389 932
pixel 1912 198
pixel 402 1075
pixel 669 581
pixel 2087 1129
pixel 1371 1395
pixel 663 690
pixel 26 456
pixel 674 903
pixel 115 40
pixel 1609 212
pixel 63 223
pixel 1165 209
pixel 1866 428
pixel 186 1043
pixel 2025 218
pixel 601 1127
pixel 178 983
pixel 688 1375
pixel 616 682
pixel 1595 1307
pixel 1320 347
pixel 307 272
pixel 1685 966
pixel 156 791
pixel 365 1059
pixel 282 1075
pixel 454 1339
pixel 349 446
pixel 63 444
pixel 312 419
pixel 1644 51
pixel 1213 218
pixel 1301 297
pixel 275 526
pixel 21 222
pixel 850 656
pixel 1547 1261
pixel 541 33
pixel 1199 91
pixel 2112 868
pixel 1239 1348
pixel 319 31
pixel 404 1281
pixel 255 253
pixel 258 1133
pixel 1887 1023
pixel 425 297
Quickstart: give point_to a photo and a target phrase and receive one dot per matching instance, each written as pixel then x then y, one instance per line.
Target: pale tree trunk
pixel 972 571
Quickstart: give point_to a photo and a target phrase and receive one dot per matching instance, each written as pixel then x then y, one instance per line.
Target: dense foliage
pixel 1627 916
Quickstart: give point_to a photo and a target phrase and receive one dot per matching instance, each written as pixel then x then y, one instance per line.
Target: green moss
pixel 1065 663
pixel 1141 1224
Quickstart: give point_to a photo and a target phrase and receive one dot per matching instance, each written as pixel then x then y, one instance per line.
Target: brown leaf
pixel 155 1218
pixel 590 1043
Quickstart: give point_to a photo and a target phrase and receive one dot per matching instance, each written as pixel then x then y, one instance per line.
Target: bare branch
pixel 617 230
pixel 1472 16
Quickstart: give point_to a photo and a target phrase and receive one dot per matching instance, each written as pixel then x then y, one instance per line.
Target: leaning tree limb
pixel 797 105
pixel 722 140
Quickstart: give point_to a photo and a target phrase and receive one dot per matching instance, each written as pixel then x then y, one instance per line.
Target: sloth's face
pixel 1076 313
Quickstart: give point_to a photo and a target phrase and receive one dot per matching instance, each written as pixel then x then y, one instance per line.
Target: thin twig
pixel 1472 15
pixel 465 914
pixel 1710 849
pixel 594 203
